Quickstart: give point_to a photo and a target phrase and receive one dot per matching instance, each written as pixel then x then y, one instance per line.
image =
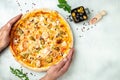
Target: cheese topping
pixel 41 39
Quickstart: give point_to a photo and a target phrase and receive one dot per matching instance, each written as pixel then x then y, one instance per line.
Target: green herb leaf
pixel 60 6
pixel 63 4
pixel 19 73
pixel 62 1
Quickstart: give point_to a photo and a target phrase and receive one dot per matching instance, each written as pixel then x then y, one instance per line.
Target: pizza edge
pixel 43 68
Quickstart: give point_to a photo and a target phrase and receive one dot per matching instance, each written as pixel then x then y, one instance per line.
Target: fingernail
pixel 20 14
pixel 8 25
pixel 65 59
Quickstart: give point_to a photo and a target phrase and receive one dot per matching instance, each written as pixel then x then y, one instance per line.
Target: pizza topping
pixel 57 48
pixel 57 22
pixel 37 63
pixel 49 26
pixel 32 38
pixel 20 47
pixel 33 63
pixel 62 32
pixel 38 36
pixel 31 20
pixel 20 31
pixel 54 24
pixel 25 45
pixel 24 55
pixel 38 48
pixel 38 56
pixel 44 52
pixel 30 57
pixel 57 35
pixel 15 40
pixel 45 35
pixel 41 39
pixel 59 41
pixel 49 59
pixel 64 43
pixel 61 54
pixel 63 49
pixel 42 18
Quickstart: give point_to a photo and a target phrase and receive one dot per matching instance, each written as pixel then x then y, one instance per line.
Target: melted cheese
pixel 38 41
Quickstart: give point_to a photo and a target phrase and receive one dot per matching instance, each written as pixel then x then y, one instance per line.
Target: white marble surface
pixel 97 53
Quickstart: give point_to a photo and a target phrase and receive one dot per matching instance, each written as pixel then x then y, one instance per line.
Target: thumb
pixel 14 20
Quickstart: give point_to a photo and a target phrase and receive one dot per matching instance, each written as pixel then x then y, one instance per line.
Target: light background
pixel 97 52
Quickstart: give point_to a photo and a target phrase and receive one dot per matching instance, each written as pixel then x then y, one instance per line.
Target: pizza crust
pixel 23 17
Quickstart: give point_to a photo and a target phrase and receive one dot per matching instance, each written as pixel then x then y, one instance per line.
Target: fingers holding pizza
pixel 5 30
pixel 59 69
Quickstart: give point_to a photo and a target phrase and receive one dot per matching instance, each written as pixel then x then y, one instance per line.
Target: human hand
pixel 58 70
pixel 5 30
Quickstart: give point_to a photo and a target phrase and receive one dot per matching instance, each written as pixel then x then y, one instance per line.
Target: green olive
pixel 32 38
pixel 49 59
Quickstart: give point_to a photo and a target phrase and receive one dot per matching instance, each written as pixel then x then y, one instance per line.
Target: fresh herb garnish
pixel 19 73
pixel 63 4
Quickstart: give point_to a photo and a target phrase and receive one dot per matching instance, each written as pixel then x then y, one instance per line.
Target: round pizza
pixel 40 39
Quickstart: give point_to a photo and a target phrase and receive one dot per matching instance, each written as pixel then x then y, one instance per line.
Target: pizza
pixel 40 39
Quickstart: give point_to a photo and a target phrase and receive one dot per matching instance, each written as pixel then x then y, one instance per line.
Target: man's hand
pixel 58 70
pixel 5 30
